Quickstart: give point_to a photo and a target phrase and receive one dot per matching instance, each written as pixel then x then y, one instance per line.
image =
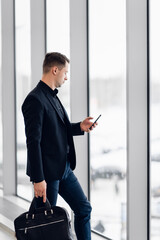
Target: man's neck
pixel 49 82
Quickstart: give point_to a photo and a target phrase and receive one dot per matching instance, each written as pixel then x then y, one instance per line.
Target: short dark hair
pixel 54 59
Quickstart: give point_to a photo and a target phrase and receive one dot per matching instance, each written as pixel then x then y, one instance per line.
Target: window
pixel 58 40
pixel 23 86
pixel 107 57
pixel 155 117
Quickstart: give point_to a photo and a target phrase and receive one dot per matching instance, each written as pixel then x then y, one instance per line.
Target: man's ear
pixel 54 70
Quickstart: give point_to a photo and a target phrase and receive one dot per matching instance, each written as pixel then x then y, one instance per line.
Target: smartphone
pixel 95 122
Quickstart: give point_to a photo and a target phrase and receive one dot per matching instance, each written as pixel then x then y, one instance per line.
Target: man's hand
pixel 40 190
pixel 86 124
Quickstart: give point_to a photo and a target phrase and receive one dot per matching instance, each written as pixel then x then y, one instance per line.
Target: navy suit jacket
pixel 47 136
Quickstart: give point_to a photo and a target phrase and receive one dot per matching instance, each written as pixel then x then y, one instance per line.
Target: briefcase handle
pixel 46 205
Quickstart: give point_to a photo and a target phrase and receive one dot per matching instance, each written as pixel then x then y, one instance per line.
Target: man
pixel 50 149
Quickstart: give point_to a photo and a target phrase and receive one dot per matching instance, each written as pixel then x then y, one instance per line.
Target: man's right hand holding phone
pixel 87 126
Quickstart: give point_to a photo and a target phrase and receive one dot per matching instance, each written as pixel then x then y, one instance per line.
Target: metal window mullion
pixel 38 39
pixel 78 69
pixel 137 120
pixel 8 97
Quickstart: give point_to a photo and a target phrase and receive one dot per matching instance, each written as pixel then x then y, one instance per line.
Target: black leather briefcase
pixel 45 223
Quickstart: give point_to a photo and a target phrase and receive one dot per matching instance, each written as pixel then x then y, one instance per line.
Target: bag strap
pixel 33 207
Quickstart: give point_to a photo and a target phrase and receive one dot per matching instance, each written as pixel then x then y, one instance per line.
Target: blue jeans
pixel 70 190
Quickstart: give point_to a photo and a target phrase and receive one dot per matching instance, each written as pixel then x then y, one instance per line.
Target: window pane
pixel 155 117
pixel 23 86
pixel 107 48
pixel 1 162
pixel 58 40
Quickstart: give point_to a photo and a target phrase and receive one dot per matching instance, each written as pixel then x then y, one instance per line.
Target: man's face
pixel 61 75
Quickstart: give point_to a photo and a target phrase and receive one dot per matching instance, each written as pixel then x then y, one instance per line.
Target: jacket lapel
pixel 53 105
pixel 43 87
pixel 65 113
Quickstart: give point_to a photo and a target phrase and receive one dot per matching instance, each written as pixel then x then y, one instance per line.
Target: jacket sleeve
pixel 33 118
pixel 76 130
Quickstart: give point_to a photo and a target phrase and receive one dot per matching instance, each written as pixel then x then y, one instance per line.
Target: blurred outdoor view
pixel 23 86
pixel 60 44
pixel 155 117
pixel 23 72
pixel 107 57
